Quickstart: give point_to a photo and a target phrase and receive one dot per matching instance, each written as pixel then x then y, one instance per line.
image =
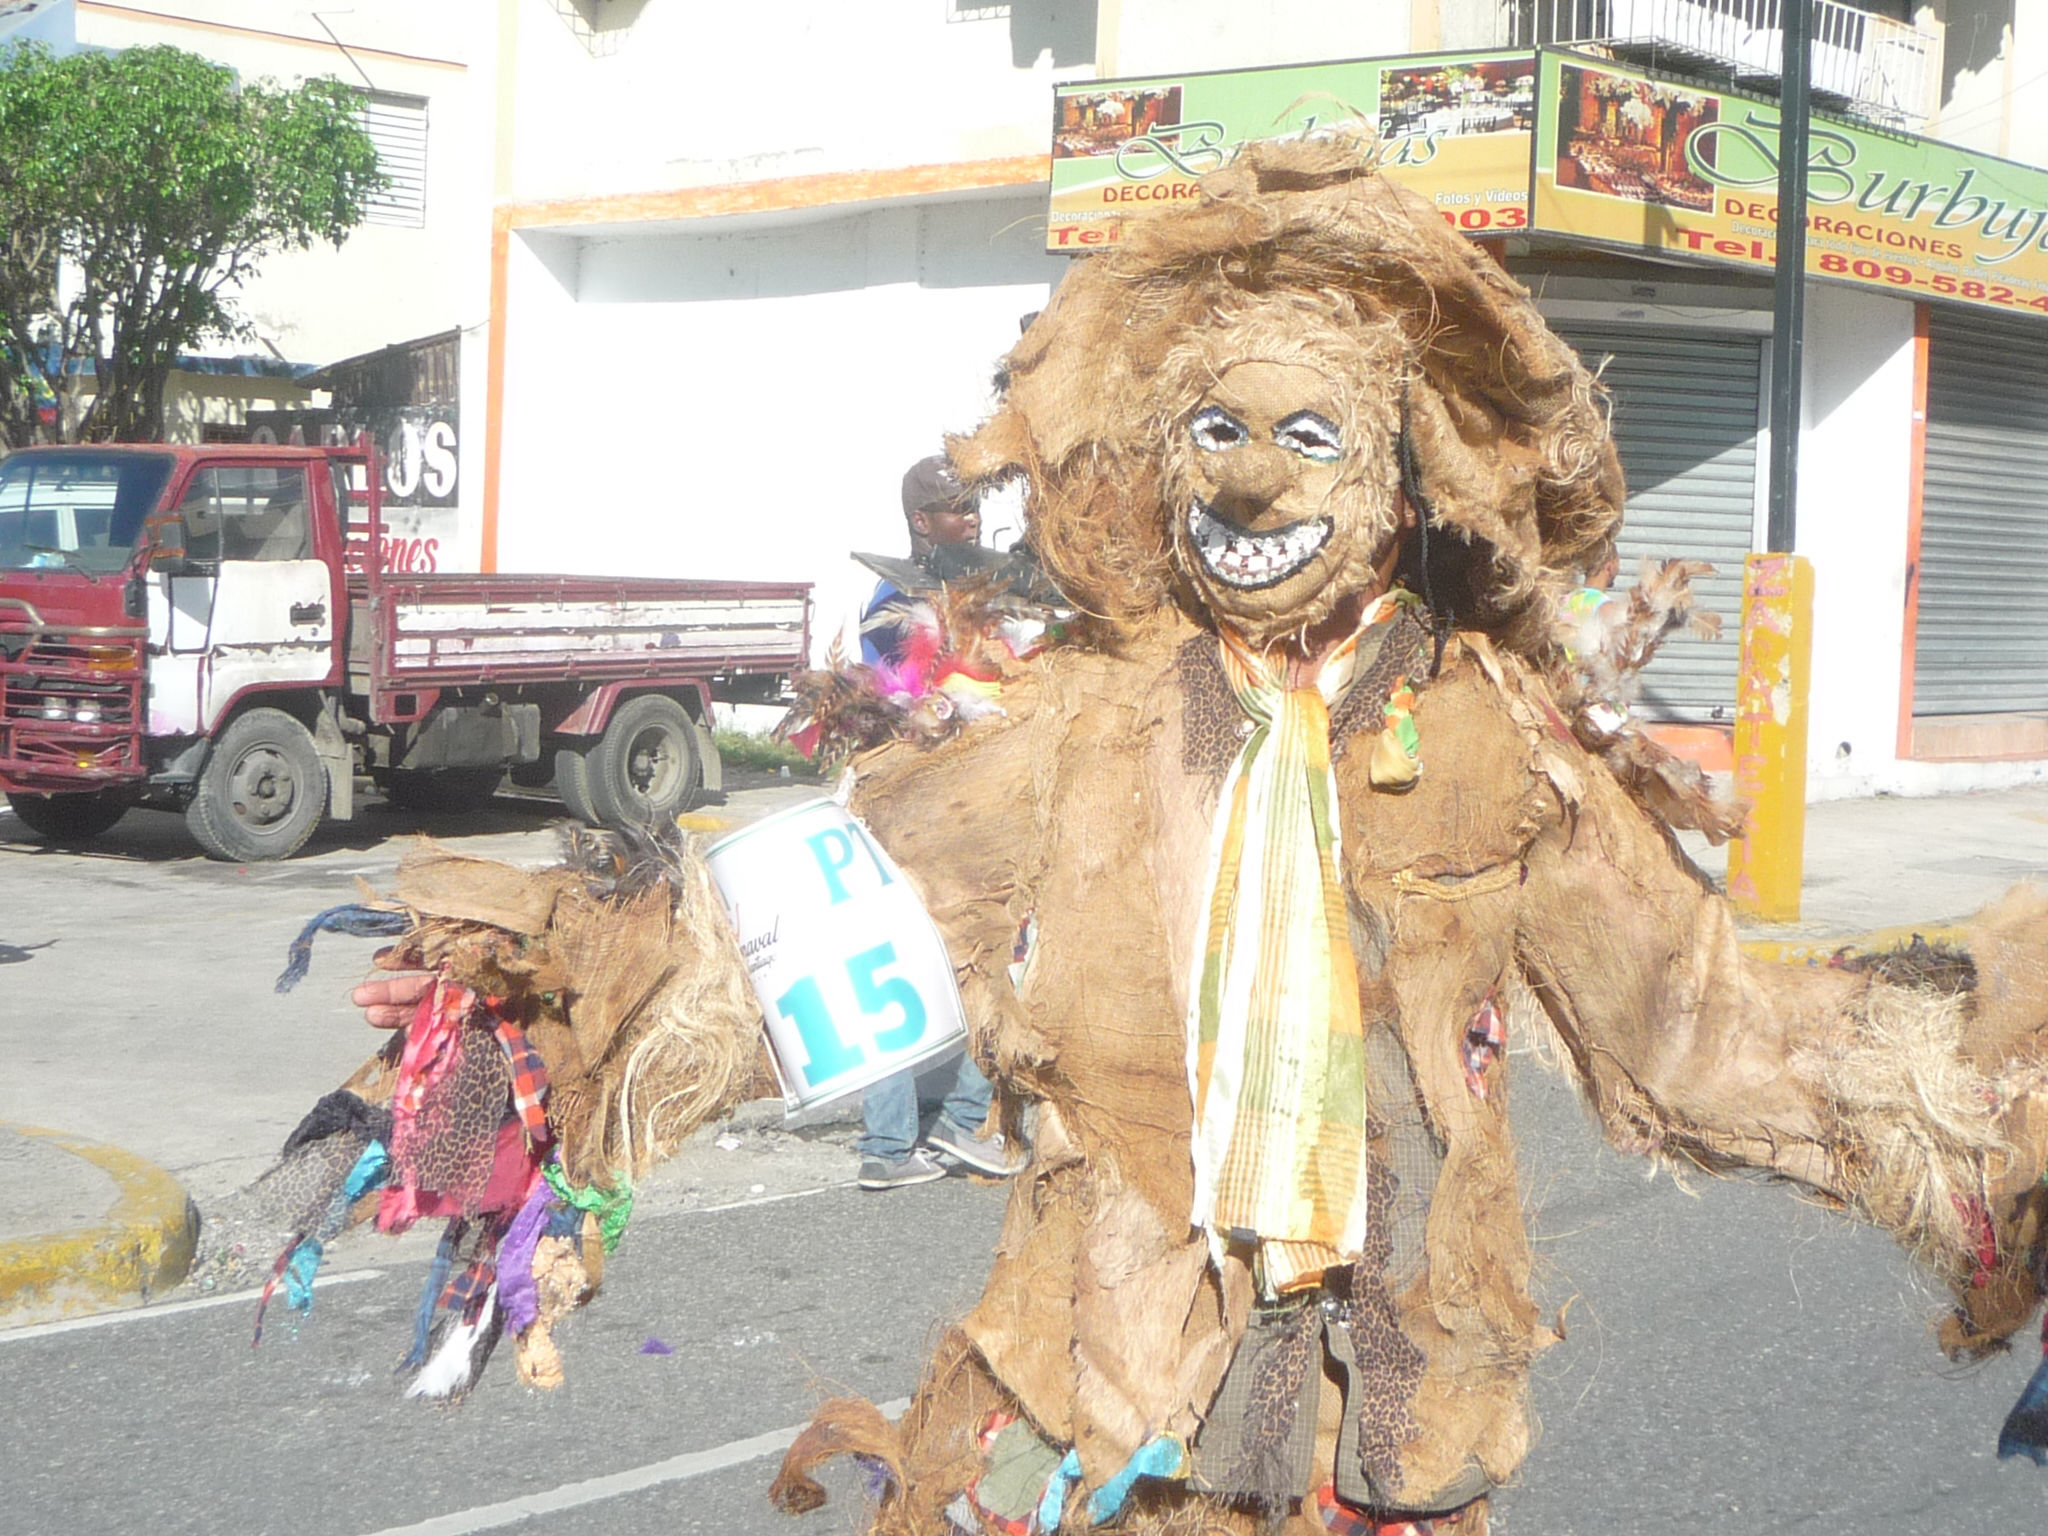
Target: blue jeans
pixel 892 1109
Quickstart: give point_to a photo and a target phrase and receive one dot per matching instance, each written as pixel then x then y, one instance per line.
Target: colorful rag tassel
pixel 516 1290
pixel 1486 1036
pixel 463 1349
pixel 612 1207
pixel 430 1298
pixel 299 1264
pixel 1397 752
pixel 369 1173
pixel 1053 1502
pixel 1162 1456
pixel 2026 1427
pixel 361 921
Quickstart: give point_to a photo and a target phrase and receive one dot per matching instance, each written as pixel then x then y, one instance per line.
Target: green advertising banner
pixel 1633 159
pixel 1455 127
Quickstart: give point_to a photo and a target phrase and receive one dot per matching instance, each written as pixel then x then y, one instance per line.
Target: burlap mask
pixel 1299 253
pixel 1280 468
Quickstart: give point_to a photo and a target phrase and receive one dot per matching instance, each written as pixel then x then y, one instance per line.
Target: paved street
pixel 1738 1361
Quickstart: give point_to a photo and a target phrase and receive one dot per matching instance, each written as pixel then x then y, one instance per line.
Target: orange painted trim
pixel 494 391
pixel 782 194
pixel 1916 486
pixel 193 24
pixel 1711 748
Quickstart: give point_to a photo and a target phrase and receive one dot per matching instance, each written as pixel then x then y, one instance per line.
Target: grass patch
pixel 764 754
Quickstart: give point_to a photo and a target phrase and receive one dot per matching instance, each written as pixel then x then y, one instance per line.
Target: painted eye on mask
pixel 1311 436
pixel 1215 429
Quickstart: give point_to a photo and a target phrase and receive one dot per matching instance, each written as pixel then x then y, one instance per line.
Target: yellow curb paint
pixel 1820 951
pixel 692 821
pixel 142 1248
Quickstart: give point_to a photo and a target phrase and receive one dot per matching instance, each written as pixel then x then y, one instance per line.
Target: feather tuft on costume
pixel 458 1359
pixel 1608 640
pixel 960 640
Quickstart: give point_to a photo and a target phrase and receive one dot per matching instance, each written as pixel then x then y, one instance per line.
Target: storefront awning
pixel 1552 143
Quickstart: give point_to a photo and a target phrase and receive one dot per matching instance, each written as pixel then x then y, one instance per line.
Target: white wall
pixel 703 95
pixel 1997 53
pixel 741 402
pixel 1168 36
pixel 1855 474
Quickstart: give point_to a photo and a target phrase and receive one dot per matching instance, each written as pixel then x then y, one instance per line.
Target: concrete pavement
pixel 84 1223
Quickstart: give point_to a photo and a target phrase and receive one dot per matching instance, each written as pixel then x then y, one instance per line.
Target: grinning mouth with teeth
pixel 1239 558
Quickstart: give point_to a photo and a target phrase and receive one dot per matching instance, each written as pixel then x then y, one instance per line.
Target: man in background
pixel 942 516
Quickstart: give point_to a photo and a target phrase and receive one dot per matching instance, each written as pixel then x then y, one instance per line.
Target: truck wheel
pixel 572 785
pixel 263 792
pixel 442 789
pixel 67 818
pixel 645 769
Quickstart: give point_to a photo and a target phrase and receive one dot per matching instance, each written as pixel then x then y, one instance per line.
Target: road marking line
pixel 774 1199
pixel 486 1517
pixel 132 1314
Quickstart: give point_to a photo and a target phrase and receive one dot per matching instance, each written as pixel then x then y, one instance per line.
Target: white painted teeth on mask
pixel 1252 559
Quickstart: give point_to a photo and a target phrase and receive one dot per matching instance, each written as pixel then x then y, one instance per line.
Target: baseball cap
pixel 931 485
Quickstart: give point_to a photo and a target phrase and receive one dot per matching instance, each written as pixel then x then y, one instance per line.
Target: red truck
pixel 205 629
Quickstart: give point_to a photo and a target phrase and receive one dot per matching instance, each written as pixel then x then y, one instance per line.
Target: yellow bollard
pixel 1766 863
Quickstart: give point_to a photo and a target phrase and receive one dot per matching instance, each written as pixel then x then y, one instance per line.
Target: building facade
pixel 717 280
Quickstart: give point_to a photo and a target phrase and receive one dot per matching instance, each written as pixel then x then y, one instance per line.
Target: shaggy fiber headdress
pixel 1508 430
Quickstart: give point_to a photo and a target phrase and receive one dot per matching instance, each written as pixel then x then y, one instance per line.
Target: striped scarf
pixel 1276 1048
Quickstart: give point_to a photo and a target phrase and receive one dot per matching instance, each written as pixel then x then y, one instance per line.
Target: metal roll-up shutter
pixel 1685 420
pixel 1982 645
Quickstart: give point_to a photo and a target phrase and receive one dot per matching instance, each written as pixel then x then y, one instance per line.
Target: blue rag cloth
pixel 1161 1456
pixel 354 918
pixel 371 1169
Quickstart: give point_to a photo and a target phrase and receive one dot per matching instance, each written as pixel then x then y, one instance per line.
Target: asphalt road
pixel 1737 1362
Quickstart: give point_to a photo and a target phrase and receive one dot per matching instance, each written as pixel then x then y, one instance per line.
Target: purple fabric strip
pixel 516 1291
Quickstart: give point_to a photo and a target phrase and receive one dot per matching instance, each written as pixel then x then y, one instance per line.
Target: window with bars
pixel 397 125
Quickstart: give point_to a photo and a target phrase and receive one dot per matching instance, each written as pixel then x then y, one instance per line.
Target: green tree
pixel 138 191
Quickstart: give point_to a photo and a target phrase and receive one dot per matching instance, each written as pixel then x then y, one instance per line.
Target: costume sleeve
pixel 1918 1103
pixel 959 818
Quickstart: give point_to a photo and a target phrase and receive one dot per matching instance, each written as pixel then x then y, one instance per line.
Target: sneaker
pixel 988 1153
pixel 920 1167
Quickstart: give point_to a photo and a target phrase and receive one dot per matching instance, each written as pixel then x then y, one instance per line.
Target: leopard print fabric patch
pixel 1213 728
pixel 1264 1470
pixel 453 1141
pixel 1389 1365
pixel 1404 651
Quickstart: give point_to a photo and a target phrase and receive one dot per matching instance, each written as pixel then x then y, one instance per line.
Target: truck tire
pixel 68 818
pixel 645 768
pixel 572 785
pixel 262 793
pixel 442 789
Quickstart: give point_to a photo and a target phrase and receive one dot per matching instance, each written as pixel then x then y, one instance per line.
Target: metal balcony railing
pixel 1868 65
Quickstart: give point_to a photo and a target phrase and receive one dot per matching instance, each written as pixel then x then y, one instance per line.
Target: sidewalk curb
pixel 142 1247
pixel 1818 951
